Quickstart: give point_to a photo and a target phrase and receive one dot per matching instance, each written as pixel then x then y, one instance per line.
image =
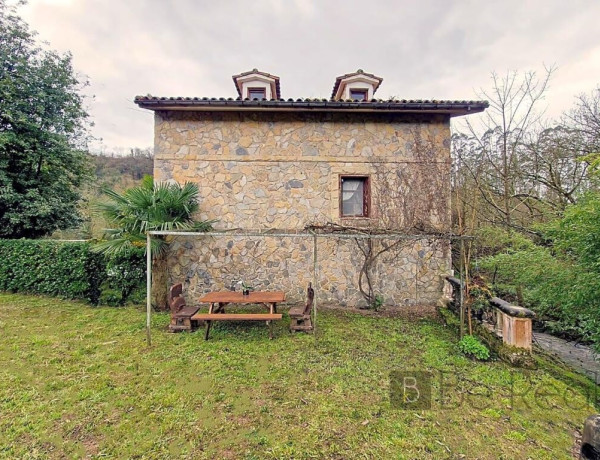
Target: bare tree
pixel 585 117
pixel 522 169
pixel 553 169
pixel 491 152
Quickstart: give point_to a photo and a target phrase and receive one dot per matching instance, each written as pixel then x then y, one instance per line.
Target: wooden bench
pixel 300 319
pixel 236 316
pixel 181 314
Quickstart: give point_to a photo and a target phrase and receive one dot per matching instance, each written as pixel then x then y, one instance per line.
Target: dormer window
pixel 257 85
pixel 257 93
pixel 356 86
pixel 359 94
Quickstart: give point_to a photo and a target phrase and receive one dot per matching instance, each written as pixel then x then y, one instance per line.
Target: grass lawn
pixel 78 381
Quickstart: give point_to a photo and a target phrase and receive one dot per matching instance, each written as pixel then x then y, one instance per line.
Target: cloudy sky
pixel 422 48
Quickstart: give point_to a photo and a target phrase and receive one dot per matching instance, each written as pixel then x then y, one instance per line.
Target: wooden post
pixel 461 297
pixel 315 278
pixel 148 288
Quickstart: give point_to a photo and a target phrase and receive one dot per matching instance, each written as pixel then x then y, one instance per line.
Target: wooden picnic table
pixel 218 301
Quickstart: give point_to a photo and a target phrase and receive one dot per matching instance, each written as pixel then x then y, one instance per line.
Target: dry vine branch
pixel 409 200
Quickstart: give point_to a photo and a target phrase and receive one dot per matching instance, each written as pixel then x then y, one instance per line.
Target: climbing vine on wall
pixel 410 204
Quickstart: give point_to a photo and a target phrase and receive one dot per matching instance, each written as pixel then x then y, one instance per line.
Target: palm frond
pixel 148 207
pixel 203 226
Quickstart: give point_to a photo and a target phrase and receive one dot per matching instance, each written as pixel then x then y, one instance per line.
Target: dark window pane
pixel 256 94
pixel 353 193
pixel 358 94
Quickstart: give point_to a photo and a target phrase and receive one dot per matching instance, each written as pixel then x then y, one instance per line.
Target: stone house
pixel 263 162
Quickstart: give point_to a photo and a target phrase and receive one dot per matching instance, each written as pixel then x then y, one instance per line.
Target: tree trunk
pixel 506 173
pixel 160 283
pixel 520 295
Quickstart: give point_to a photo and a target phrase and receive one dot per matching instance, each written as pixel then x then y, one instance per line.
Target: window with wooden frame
pixel 257 93
pixel 357 94
pixel 355 196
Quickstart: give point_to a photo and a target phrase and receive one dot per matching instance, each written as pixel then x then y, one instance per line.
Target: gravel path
pixel 579 357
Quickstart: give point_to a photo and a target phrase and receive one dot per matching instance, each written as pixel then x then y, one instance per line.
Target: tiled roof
pixel 453 108
pixel 339 79
pixel 264 74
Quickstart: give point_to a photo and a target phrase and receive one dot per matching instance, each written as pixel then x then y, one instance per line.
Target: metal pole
pixel 148 288
pixel 461 297
pixel 315 278
pixel 386 236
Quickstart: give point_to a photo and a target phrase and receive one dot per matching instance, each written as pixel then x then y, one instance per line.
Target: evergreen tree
pixel 42 134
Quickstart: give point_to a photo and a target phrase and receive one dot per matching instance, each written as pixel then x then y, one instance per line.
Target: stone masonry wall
pixel 282 171
pixel 408 276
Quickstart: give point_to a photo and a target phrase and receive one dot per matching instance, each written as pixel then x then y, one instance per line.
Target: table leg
pixel 273 309
pixel 210 310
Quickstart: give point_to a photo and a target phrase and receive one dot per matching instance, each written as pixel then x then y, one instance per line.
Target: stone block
pixel 590 440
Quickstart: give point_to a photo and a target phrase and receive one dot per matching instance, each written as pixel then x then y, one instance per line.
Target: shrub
pixel 494 240
pixel 68 269
pixel 471 346
pixel 479 297
pixel 556 289
pixel 125 271
pixel 377 302
pixel 559 279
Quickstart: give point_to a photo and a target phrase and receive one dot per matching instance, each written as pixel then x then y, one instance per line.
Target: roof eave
pixel 278 106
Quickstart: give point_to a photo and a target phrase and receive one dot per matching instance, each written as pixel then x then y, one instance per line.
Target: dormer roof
pixel 253 75
pixel 359 76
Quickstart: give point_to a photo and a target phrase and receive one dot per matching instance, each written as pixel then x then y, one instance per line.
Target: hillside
pixel 117 172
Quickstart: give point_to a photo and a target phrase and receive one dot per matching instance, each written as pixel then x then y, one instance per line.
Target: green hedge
pixel 68 269
pixel 125 276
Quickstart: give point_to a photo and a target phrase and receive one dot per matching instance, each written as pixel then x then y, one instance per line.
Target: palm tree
pixel 149 207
